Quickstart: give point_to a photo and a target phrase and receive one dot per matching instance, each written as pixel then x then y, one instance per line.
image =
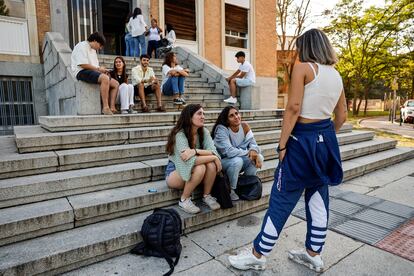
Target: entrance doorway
pixel 113 16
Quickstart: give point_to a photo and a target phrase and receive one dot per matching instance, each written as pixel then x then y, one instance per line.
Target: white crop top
pixel 322 93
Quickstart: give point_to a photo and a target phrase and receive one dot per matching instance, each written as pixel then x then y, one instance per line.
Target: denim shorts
pixel 169 169
pixel 243 82
pixel 89 76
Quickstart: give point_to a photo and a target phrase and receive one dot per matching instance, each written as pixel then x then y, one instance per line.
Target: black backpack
pixel 249 187
pixel 161 233
pixel 221 191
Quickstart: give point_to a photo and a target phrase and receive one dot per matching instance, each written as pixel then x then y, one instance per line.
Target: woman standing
pixel 125 90
pixel 138 27
pixel 154 37
pixel 309 158
pixel 129 44
pixel 173 77
pixel 192 159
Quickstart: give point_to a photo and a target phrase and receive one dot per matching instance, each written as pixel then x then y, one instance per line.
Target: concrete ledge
pixel 263 94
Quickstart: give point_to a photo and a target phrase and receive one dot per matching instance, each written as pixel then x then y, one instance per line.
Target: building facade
pixel 214 29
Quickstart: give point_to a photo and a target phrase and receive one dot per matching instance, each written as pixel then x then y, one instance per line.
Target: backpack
pixel 221 191
pixel 161 233
pixel 249 187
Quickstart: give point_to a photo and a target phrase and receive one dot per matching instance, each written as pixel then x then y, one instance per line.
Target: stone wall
pixel 65 95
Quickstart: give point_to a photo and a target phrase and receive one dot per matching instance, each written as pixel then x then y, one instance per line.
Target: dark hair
pixel 97 37
pixel 240 54
pixel 184 123
pixel 144 56
pixel 137 11
pixel 115 71
pixel 314 46
pixel 153 19
pixel 223 118
pixel 169 57
pixel 169 27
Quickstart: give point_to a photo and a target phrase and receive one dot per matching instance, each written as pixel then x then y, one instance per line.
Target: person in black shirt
pixel 126 91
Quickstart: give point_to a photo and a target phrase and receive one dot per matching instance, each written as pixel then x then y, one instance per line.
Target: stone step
pixel 14 165
pixel 107 204
pixel 70 123
pixel 59 252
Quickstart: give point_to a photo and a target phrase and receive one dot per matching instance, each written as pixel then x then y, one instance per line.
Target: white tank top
pixel 321 94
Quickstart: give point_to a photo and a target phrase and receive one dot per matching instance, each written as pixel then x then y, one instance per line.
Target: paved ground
pixel 205 252
pixel 382 123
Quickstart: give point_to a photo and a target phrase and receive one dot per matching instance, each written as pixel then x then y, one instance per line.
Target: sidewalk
pixel 382 123
pixel 205 252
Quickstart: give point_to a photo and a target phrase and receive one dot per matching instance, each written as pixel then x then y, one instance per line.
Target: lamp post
pixel 394 87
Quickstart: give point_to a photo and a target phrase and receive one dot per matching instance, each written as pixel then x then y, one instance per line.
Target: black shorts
pixel 147 90
pixel 89 76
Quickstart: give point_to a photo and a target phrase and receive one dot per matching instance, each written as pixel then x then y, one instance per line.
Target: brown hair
pixel 314 46
pixel 184 123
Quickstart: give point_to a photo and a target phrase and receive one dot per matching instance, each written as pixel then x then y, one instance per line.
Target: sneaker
pixel 246 260
pixel 231 100
pixel 183 101
pixel 177 101
pixel 211 202
pixel 302 257
pixel 124 111
pixel 188 206
pixel 233 195
pixel 131 110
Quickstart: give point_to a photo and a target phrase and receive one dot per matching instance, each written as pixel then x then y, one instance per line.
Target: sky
pixel 317 20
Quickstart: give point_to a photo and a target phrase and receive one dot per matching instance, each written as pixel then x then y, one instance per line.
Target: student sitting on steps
pixel 173 77
pixel 192 159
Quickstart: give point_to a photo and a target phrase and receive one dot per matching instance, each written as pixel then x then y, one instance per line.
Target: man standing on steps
pixel 85 67
pixel 243 77
pixel 145 82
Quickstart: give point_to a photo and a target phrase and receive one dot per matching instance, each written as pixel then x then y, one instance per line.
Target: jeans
pixel 153 46
pixel 174 85
pixel 139 45
pixel 234 166
pixel 129 45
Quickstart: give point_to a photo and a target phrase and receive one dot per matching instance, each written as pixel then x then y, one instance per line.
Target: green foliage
pixel 371 43
pixel 3 8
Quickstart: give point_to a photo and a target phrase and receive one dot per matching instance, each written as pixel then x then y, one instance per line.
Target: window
pixel 181 14
pixel 16 103
pixel 236 26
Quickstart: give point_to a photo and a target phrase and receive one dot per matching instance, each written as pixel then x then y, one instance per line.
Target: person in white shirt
pixel 170 36
pixel 154 37
pixel 137 27
pixel 85 67
pixel 243 77
pixel 173 77
pixel 145 82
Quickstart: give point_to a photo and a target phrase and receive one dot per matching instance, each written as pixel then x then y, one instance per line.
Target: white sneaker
pixel 211 202
pixel 124 111
pixel 231 100
pixel 233 195
pixel 302 257
pixel 188 206
pixel 246 260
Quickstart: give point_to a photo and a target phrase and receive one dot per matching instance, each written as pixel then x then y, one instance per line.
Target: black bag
pixel 249 187
pixel 161 233
pixel 221 191
pixel 163 42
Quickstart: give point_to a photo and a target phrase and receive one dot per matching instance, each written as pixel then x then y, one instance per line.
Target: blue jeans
pixel 174 85
pixel 129 45
pixel 153 46
pixel 139 45
pixel 234 166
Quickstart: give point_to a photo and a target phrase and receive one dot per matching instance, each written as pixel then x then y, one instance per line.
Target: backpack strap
pixel 167 257
pixel 246 128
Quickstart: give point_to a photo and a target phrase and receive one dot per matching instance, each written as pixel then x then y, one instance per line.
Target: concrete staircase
pixel 75 190
pixel 198 88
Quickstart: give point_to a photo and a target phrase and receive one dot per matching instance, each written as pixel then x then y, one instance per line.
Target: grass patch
pixel 371 114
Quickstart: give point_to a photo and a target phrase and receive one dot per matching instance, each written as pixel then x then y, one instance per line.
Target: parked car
pixel 407 111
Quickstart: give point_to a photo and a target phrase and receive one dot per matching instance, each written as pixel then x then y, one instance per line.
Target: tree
pixel 3 8
pixel 290 14
pixel 367 42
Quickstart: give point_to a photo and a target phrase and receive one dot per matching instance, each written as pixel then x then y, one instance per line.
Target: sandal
pixel 161 109
pixel 107 111
pixel 145 109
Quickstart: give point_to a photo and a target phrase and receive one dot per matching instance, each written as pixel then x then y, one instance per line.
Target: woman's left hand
pixel 187 154
pixel 282 155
